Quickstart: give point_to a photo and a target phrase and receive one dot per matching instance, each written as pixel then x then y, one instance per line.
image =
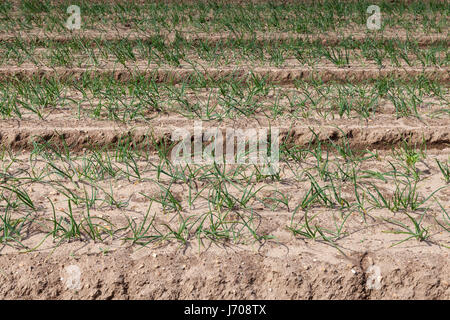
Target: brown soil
pixel 274 75
pixel 331 38
pixel 19 135
pixel 270 271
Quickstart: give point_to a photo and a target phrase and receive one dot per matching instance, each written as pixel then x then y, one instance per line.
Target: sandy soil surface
pixel 330 38
pixel 276 75
pixel 367 264
pixel 378 134
pixel 299 270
